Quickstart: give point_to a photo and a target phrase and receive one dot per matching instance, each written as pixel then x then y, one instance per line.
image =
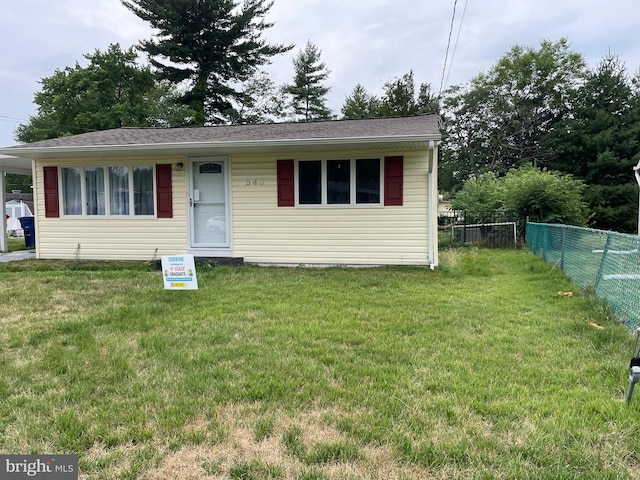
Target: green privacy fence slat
pixel 609 262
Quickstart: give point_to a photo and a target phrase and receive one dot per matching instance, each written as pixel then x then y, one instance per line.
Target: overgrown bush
pixel 540 195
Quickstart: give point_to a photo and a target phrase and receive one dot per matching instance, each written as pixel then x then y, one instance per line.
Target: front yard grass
pixel 15 243
pixel 479 369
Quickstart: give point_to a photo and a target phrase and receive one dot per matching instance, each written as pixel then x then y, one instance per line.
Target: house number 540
pixel 255 182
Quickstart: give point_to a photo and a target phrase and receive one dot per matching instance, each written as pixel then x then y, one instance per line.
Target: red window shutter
pixel 393 180
pixel 286 190
pixel 51 197
pixel 163 191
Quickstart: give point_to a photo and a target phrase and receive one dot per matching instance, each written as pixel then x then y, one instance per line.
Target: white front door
pixel 209 203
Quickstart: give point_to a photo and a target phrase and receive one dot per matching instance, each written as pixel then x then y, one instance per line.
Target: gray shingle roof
pixel 399 127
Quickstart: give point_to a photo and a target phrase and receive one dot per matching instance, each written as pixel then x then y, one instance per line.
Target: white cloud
pixel 362 42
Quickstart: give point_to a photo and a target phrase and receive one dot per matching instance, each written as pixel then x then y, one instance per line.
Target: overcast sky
pixel 362 41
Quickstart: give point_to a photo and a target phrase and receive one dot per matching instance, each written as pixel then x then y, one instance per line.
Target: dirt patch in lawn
pixel 253 446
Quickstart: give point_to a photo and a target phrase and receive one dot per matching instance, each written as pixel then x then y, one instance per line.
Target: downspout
pixel 36 217
pixel 432 195
pixel 3 212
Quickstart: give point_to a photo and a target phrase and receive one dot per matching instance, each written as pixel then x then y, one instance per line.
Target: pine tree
pixel 399 99
pixel 600 143
pixel 360 104
pixel 308 94
pixel 262 102
pixel 212 44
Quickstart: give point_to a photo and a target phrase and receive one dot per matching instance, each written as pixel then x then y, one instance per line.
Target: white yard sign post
pixel 179 272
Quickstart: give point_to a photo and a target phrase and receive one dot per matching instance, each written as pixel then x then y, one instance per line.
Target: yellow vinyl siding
pixel 360 234
pixel 112 238
pixel 261 232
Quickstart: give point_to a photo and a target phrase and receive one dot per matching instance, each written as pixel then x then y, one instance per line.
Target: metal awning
pixel 21 166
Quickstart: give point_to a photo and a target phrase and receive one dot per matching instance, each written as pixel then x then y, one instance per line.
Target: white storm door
pixel 209 202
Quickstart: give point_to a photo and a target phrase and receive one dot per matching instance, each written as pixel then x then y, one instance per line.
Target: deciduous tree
pixel 14 181
pixel 111 91
pixel 501 118
pixel 480 194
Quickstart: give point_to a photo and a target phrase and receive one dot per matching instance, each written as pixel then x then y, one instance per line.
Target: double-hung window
pixel 108 191
pixel 119 190
pixel 72 191
pixel 143 196
pixel 94 190
pixel 350 181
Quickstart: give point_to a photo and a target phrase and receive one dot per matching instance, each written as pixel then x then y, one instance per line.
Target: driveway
pixel 19 255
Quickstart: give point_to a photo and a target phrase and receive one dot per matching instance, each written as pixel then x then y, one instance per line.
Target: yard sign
pixel 179 272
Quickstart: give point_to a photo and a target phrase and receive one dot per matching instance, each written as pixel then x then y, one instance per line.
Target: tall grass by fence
pixel 609 262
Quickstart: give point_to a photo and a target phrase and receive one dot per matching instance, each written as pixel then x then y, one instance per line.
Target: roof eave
pixel 268 146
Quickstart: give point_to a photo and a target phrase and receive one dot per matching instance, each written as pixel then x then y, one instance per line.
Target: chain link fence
pixel 608 262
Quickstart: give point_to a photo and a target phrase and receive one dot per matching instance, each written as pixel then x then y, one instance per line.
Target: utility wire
pixel 457 39
pixel 446 56
pixel 48 124
pixel 13 119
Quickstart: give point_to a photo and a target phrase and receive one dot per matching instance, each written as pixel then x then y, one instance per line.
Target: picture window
pixel 108 191
pixel 339 181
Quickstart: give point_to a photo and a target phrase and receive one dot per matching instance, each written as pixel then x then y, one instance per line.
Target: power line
pixel 47 124
pixel 13 119
pixel 464 10
pixel 446 56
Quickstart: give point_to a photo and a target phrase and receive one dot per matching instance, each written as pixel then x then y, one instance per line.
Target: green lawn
pixel 476 370
pixel 15 244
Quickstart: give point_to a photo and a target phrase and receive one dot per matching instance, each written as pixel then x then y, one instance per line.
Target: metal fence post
pixel 602 262
pixel 562 239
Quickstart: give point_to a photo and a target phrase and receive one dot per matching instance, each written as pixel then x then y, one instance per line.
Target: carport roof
pixel 15 165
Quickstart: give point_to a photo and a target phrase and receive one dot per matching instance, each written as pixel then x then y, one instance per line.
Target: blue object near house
pixel 29 228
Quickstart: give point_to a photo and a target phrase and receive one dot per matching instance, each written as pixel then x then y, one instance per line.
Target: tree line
pixel 207 64
pixel 547 109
